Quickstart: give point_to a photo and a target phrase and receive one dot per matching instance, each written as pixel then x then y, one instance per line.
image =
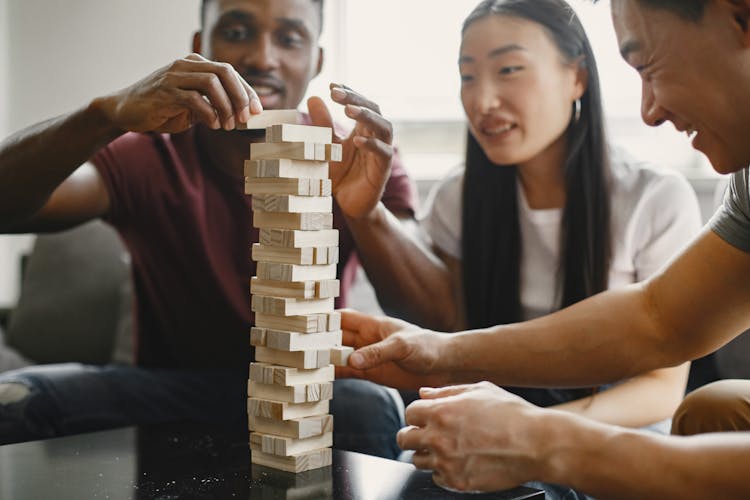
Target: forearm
pixel 583 345
pixel 640 401
pixel 410 281
pixel 36 160
pixel 612 462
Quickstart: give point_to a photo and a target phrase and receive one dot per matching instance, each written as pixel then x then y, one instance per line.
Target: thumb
pixel 319 113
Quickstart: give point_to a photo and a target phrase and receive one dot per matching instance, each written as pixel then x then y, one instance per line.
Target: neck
pixel 542 177
pixel 226 151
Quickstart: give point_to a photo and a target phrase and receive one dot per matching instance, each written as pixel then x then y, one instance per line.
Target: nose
pixel 263 55
pixel 486 97
pixel 651 112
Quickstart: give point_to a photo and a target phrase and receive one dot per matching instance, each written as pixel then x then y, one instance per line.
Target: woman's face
pixel 516 88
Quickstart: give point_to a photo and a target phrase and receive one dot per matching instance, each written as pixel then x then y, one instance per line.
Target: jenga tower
pixel 296 327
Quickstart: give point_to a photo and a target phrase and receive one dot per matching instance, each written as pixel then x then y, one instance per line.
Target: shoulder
pixel 451 186
pixel 635 181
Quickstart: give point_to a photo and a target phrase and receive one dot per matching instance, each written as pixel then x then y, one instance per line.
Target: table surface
pixel 188 461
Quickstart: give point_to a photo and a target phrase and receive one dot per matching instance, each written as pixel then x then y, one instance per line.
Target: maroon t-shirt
pixel 189 232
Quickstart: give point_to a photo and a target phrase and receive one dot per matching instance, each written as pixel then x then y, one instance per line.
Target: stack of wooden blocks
pixel 297 333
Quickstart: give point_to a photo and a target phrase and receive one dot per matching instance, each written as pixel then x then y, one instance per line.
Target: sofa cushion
pixel 71 296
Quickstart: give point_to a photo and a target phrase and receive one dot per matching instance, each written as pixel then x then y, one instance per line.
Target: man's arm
pixel 695 305
pixel 479 437
pixel 37 188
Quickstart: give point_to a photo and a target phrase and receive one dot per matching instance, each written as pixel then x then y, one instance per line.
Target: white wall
pixel 56 55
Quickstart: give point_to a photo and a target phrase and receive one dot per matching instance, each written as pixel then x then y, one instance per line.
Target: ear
pixel 319 68
pixel 581 82
pixel 740 11
pixel 198 42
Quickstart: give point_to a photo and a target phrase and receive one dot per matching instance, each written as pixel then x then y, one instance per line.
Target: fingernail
pixel 216 125
pixel 356 359
pixel 359 140
pixel 255 106
pixel 353 111
pixel 229 124
pixel 337 93
pixel 244 114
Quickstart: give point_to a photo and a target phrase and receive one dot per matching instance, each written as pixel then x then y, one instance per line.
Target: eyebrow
pixel 239 15
pixel 494 52
pixel 628 48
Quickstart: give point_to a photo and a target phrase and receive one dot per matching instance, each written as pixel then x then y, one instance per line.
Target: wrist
pixel 570 447
pixel 375 217
pixel 99 114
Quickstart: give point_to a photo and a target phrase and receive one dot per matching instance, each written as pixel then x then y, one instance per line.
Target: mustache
pixel 263 78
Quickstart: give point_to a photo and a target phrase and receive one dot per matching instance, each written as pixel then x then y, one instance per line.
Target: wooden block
pixel 295 290
pixel 340 355
pixel 258 336
pixel 280 220
pixel 293 272
pixel 284 375
pixel 299 133
pixel 334 321
pixel 299 428
pixel 328 288
pixel 300 256
pixel 279 168
pixel 280 306
pixel 288 151
pixel 306 323
pixel 299 239
pixel 285 446
pixel 292 203
pixel 334 152
pixel 294 341
pixel 278 186
pixel 315 459
pixel 284 411
pixel 270 117
pixel 298 359
pixel 291 394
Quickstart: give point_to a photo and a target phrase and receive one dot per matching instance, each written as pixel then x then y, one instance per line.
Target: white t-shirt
pixel 655 213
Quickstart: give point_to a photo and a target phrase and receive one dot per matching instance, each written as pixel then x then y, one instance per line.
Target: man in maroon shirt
pixel 161 161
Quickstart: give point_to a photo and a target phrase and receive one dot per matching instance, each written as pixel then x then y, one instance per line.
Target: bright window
pixel 402 55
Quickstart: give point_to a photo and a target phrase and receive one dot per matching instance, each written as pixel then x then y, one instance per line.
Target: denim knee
pixel 366 418
pixel 27 411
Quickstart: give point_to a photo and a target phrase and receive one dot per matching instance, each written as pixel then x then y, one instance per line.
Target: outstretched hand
pixel 392 352
pixel 359 179
pixel 474 437
pixel 177 96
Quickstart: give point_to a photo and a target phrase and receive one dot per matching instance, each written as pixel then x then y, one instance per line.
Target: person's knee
pixel 13 392
pixel 717 407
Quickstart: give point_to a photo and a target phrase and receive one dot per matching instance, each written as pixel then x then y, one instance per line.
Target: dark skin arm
pixel 46 183
pixel 409 279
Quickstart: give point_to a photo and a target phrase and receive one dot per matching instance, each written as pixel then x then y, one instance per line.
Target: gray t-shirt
pixel 732 221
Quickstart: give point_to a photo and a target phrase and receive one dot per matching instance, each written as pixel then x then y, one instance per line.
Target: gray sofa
pixel 75 302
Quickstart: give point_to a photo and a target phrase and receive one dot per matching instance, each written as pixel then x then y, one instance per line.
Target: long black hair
pixel 491 269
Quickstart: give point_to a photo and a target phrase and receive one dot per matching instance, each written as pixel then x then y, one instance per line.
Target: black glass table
pixel 199 462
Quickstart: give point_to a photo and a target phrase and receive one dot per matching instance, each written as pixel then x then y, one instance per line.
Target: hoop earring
pixel 577 112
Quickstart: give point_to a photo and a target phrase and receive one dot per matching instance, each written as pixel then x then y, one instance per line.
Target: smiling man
pixel 161 162
pixel 694 59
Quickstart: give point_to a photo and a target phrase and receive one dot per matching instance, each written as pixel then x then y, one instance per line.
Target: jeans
pixel 46 401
